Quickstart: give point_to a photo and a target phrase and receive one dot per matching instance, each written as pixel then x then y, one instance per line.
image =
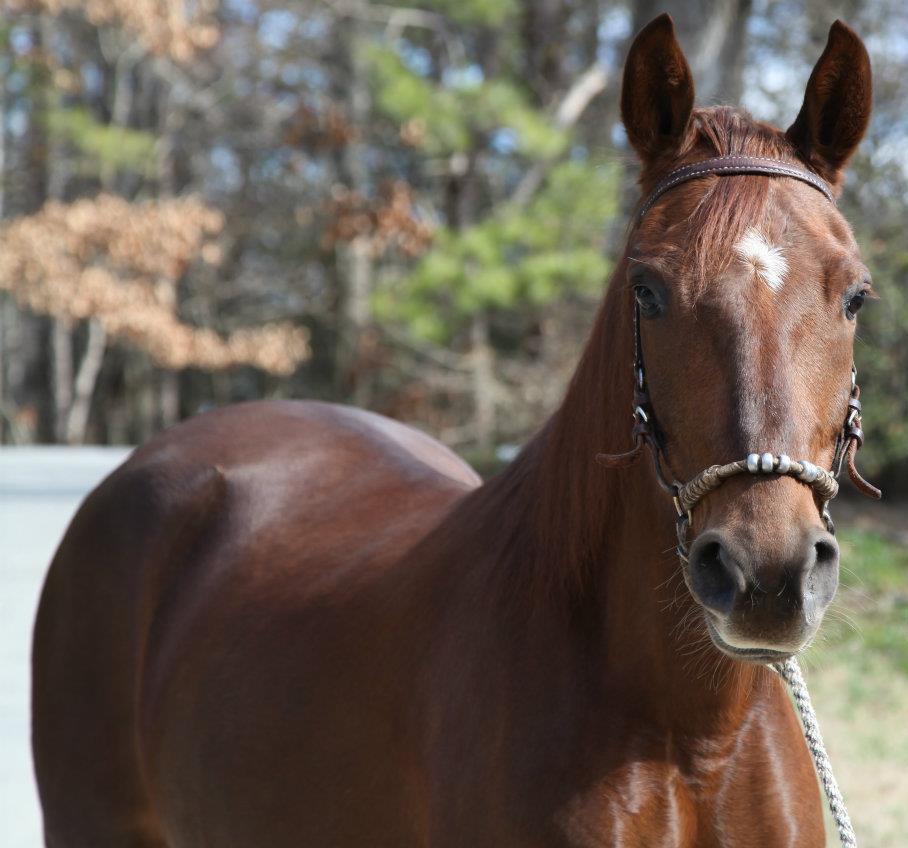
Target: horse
pixel 293 623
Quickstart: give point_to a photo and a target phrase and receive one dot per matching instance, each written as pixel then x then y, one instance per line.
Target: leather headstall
pixel 646 432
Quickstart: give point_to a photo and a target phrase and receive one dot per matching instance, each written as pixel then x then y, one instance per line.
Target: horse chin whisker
pixel 675 574
pixel 676 600
pixel 686 622
pixel 839 615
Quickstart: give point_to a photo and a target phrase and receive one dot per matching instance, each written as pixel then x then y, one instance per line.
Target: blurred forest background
pixel 411 208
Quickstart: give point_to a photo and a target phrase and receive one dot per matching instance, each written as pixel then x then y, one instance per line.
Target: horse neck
pixel 579 537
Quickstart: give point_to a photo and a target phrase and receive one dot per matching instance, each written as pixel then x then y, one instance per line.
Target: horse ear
pixel 837 104
pixel 657 92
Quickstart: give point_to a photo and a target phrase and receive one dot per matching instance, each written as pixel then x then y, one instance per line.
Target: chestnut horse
pixel 297 624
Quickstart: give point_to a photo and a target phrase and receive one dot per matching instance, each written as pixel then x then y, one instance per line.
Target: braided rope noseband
pixel 691 493
pixel 686 496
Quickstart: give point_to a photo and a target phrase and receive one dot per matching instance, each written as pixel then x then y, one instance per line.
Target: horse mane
pixel 543 521
pixel 539 522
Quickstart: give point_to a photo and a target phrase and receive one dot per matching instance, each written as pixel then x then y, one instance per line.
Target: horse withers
pixel 285 624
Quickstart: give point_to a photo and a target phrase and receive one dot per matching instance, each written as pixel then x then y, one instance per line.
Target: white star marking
pixel 764 259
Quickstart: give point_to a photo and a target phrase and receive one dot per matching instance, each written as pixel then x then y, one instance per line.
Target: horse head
pixel 747 287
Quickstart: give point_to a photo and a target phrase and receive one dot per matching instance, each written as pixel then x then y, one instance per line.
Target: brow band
pixel 729 165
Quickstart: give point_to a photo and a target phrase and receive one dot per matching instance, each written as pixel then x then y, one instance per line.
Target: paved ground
pixel 40 489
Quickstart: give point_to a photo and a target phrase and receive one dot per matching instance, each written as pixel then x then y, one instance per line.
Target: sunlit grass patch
pixel 872 563
pixel 870 613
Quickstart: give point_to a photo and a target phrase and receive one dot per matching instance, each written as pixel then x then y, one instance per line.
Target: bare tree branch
pixel 572 106
pixel 398 18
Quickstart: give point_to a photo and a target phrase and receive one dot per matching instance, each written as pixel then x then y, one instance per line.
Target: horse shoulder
pixel 285 610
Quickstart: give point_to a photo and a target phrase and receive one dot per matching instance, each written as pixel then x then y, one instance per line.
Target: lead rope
pixel 790 672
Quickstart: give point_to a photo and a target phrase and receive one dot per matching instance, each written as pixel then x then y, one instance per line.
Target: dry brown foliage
pixel 327 130
pixel 413 132
pixel 172 28
pixel 117 261
pixel 388 222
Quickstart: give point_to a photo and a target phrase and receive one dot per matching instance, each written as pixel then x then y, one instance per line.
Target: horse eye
pixel 646 298
pixel 855 302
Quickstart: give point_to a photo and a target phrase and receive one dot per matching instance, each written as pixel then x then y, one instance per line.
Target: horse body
pixel 302 673
pixel 285 624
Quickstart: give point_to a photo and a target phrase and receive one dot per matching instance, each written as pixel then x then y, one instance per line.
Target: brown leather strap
pixel 729 165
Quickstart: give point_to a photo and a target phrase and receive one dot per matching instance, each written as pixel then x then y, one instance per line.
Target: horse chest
pixel 759 793
pixel 642 802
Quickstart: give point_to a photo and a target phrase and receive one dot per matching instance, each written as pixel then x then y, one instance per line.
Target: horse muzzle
pixel 763 604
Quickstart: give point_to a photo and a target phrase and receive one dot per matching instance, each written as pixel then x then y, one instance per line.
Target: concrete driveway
pixel 40 490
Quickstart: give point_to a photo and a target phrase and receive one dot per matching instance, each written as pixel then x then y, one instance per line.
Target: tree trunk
pixel 146 422
pixel 84 388
pixel 169 385
pixel 462 200
pixel 62 375
pixel 484 383
pixel 170 398
pixel 30 193
pixel 355 263
pixel 717 58
pixel 545 41
pixel 356 316
pixel 35 139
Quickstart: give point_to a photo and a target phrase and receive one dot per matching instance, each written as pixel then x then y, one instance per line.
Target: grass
pixel 858 676
pixel 870 613
pixel 873 562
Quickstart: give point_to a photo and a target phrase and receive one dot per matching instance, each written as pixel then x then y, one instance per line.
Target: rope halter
pixel 645 432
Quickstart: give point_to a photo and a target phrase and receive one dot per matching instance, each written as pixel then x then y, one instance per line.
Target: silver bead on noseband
pixel 822 481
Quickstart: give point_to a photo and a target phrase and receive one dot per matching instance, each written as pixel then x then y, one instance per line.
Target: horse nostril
pixel 820 576
pixel 826 552
pixel 715 577
pixel 709 555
